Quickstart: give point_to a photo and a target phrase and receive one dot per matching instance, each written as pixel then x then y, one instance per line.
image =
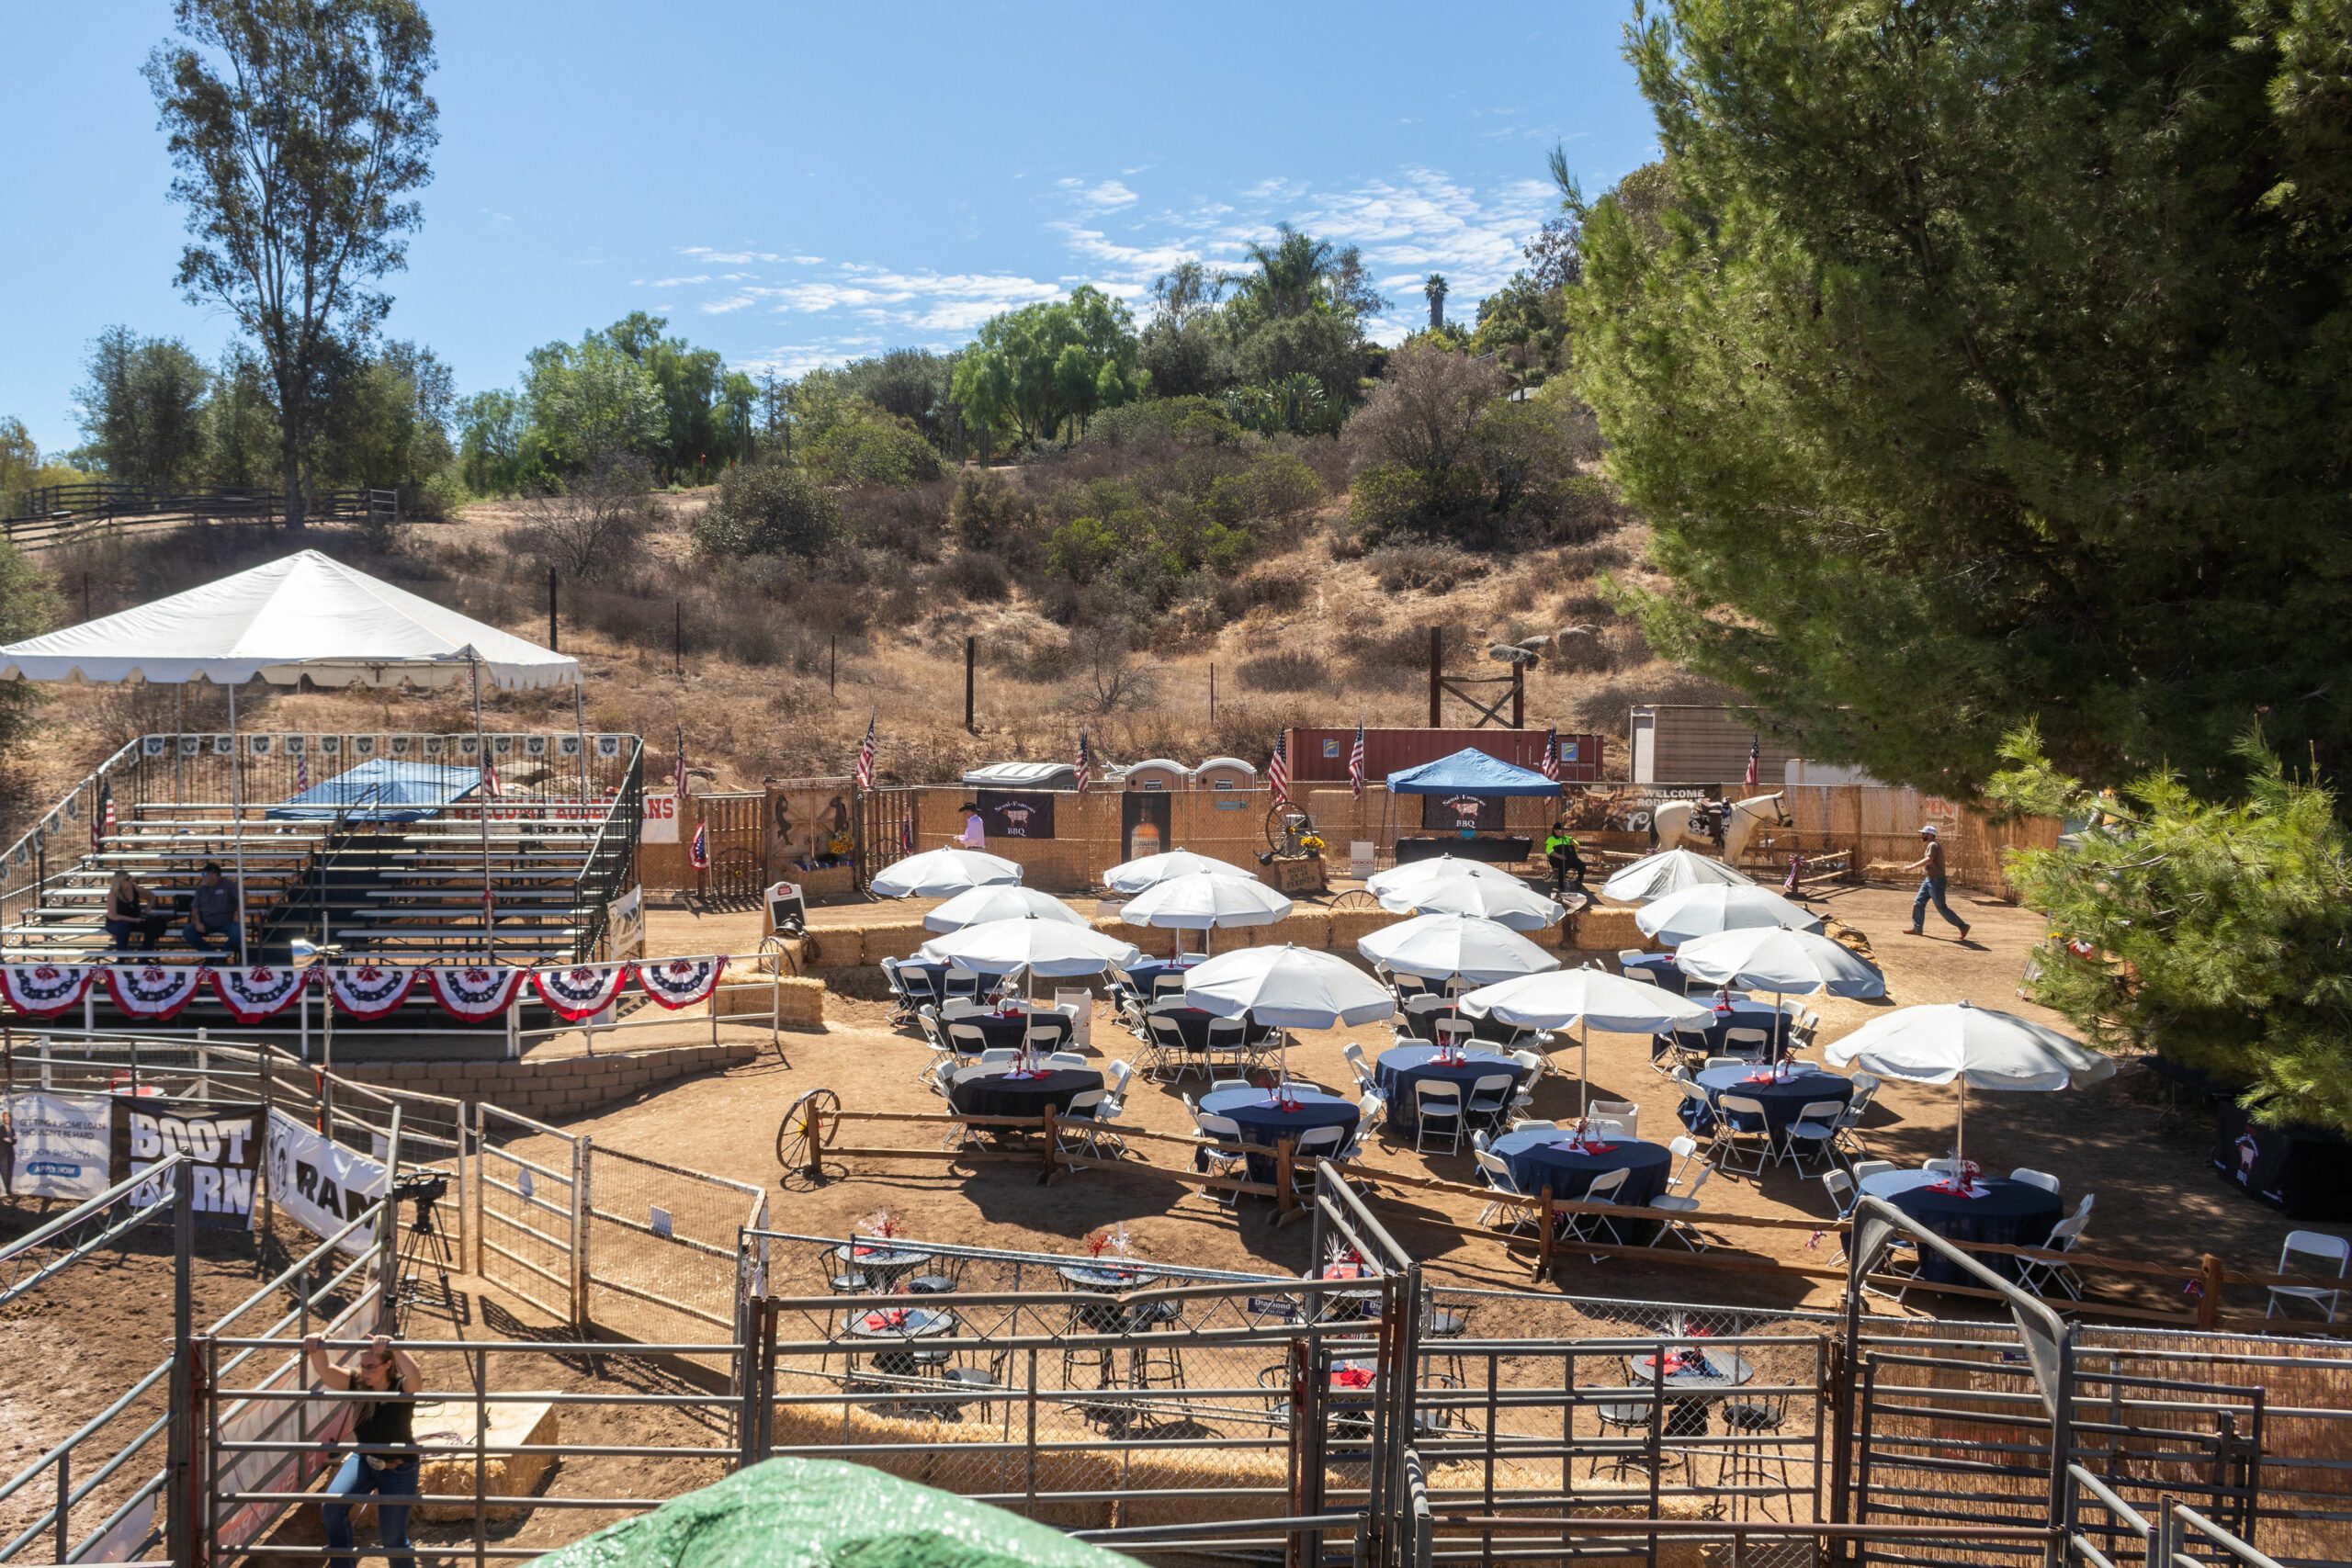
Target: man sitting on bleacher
pixel 212 910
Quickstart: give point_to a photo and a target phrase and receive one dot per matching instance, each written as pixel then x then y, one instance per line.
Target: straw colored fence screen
pixel 1881 825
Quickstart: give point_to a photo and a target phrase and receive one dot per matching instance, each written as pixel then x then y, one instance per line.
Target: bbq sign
pixel 225 1141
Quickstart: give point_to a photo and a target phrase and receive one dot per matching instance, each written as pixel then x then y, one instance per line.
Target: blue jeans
pixel 1931 888
pixel 207 939
pixel 358 1478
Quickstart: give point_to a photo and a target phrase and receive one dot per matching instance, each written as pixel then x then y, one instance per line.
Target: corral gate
pixel 737 821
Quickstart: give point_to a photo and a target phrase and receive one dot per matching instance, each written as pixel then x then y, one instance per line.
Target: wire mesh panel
pixel 526 1211
pixel 661 1245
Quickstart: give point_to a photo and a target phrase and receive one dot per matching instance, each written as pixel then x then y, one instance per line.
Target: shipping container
pixel 1697 744
pixel 1320 756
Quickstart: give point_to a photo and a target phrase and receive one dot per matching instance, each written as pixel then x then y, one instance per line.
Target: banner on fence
pixel 58 1146
pixel 624 925
pixel 222 1140
pixel 660 818
pixel 319 1183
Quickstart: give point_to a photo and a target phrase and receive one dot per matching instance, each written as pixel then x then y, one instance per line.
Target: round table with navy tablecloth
pixel 1661 966
pixel 1537 1161
pixel 1004 1033
pixel 1264 1121
pixel 1402 1067
pixel 2005 1213
pixel 998 1095
pixel 1780 1098
pixel 1146 974
pixel 1421 1014
pixel 1745 1014
pixel 1193 1023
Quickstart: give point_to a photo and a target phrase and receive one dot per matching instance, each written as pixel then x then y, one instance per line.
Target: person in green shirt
pixel 1560 849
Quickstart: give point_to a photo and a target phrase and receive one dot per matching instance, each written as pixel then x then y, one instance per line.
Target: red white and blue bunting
pixel 680 982
pixel 475 992
pixel 369 991
pixel 258 992
pixel 581 992
pixel 153 993
pixel 44 990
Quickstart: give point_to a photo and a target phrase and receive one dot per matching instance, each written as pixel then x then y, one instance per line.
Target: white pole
pixel 1960 1126
pixel 580 728
pixel 1584 1065
pixel 237 815
pixel 481 813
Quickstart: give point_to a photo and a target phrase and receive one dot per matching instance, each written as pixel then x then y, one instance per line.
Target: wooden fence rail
pixel 52 515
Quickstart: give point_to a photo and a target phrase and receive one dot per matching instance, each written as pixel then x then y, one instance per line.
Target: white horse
pixel 1726 827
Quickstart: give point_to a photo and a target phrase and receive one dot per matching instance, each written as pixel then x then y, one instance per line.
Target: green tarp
pixel 802 1513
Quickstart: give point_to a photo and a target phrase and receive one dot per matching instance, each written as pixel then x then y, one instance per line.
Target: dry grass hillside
pixel 1302 635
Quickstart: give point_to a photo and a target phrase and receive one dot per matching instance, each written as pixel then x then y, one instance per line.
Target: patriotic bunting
pixel 259 992
pixel 581 992
pixel 153 993
pixel 44 990
pixel 680 982
pixel 474 992
pixel 369 991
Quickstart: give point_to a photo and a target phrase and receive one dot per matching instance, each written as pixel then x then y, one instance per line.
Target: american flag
pixel 698 852
pixel 866 756
pixel 1551 764
pixel 1355 762
pixel 1755 758
pixel 1278 770
pixel 489 784
pixel 1085 762
pixel 102 820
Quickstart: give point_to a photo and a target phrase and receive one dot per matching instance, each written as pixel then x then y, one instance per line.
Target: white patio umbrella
pixel 1039 946
pixel 1507 901
pixel 1948 1042
pixel 1583 998
pixel 998 901
pixel 301 617
pixel 1786 963
pixel 1671 871
pixel 941 872
pixel 1418 876
pixel 1719 907
pixel 1135 876
pixel 1203 901
pixel 1444 947
pixel 1287 987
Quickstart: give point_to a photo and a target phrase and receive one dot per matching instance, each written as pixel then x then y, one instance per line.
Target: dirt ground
pixel 2158 1201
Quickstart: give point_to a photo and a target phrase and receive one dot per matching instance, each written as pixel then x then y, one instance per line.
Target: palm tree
pixel 1289 277
pixel 1435 290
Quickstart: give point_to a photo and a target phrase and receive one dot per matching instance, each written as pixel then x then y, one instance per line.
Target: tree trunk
pixel 289 460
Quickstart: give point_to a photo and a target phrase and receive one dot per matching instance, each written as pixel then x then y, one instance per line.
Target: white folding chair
pixel 1453 1030
pixel 1213 1129
pixel 1843 1194
pixel 1498 1177
pixel 1626 955
pixel 998 1056
pixel 1075 1127
pixel 1167 1053
pixel 1679 1204
pixel 2040 1178
pixel 1642 977
pixel 1437 1108
pixel 1490 1099
pixel 1586 1227
pixel 1065 1059
pixel 1372 1109
pixel 1814 1131
pixel 1684 1149
pixel 1864 1169
pixel 1740 1125
pixel 1045 1039
pixel 2319 1247
pixel 1748 1044
pixel 1315 1145
pixel 1353 1055
pixel 1715 1062
pixel 1626 1114
pixel 2035 1274
pixel 961 982
pixel 1605 1127
pixel 1940 1167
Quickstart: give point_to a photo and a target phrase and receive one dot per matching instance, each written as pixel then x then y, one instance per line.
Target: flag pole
pixel 482 815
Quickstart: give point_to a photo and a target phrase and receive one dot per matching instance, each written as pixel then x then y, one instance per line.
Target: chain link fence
pixel 527 1212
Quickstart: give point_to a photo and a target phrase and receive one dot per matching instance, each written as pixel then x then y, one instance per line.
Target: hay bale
pixel 444 1431
pixel 799 1001
pixel 1604 930
pixel 1350 927
pixel 942 1455
pixel 894 941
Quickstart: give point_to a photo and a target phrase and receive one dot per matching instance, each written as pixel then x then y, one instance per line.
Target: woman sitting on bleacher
pixel 129 915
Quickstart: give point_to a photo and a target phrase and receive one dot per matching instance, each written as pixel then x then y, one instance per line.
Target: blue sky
pixel 795 184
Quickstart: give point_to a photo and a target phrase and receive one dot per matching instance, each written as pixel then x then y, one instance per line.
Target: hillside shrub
pixel 769 509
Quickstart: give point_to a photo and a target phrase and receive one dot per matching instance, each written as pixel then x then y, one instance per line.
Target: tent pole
pixel 237 816
pixel 482 816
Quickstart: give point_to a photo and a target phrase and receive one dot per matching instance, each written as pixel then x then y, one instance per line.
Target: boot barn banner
pixel 319 1183
pixel 225 1141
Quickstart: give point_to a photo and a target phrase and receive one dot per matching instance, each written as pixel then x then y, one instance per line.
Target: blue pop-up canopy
pixel 1470 771
pixel 382 790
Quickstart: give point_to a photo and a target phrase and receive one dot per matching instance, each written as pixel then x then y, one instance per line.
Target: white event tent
pixel 301 617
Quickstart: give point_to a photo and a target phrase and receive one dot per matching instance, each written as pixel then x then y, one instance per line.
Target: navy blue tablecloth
pixel 1745 1014
pixel 1007 1033
pixel 1536 1164
pixel 1782 1101
pixel 1402 1067
pixel 1144 975
pixel 996 1095
pixel 1193 1023
pixel 1268 1124
pixel 1661 965
pixel 2007 1214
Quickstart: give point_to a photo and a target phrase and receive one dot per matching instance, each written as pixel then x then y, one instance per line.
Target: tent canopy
pixel 1470 771
pixel 300 616
pixel 382 790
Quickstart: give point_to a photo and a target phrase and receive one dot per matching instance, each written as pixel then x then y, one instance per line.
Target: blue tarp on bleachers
pixel 382 790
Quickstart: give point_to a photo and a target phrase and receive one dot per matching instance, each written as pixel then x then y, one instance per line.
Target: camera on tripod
pixel 423 1188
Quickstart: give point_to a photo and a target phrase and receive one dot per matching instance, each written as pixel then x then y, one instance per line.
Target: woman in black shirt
pixel 382 1366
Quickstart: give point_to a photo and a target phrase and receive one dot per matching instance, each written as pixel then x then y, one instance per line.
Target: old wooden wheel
pixel 1356 901
pixel 807 1130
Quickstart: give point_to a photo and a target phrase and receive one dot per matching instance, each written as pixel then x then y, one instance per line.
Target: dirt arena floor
pixel 2158 1199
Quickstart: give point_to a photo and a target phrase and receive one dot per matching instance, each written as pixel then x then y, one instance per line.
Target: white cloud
pixel 1107 197
pixel 679 282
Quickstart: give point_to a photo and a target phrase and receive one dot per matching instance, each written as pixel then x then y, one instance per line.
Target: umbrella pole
pixel 237 818
pixel 1584 1065
pixel 1960 1126
pixel 482 816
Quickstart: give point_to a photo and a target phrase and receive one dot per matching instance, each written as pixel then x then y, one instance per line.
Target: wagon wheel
pixel 1355 901
pixel 736 872
pixel 808 1129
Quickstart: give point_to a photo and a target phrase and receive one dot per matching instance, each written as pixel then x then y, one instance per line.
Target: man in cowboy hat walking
pixel 1931 886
